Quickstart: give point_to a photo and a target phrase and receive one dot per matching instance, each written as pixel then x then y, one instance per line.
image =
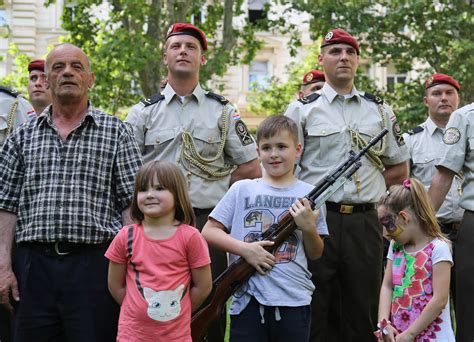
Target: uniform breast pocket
pixel 157 140
pixel 368 132
pixel 207 142
pixel 424 159
pixel 325 144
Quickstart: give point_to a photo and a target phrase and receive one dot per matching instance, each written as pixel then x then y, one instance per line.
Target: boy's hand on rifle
pixel 305 218
pixel 256 255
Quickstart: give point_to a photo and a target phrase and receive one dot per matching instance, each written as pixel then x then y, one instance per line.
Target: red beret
pixel 189 29
pixel 37 64
pixel 313 76
pixel 436 79
pixel 336 36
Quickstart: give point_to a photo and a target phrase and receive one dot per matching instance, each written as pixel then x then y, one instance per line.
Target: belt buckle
pixel 57 251
pixel 346 209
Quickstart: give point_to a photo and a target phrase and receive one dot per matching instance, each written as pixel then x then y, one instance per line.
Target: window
pixel 3 17
pixel 392 80
pixel 258 75
pixel 257 10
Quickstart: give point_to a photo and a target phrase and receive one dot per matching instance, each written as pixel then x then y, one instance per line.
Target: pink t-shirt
pixel 163 312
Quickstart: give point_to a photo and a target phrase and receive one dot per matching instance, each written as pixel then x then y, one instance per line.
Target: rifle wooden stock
pixel 228 282
pixel 239 271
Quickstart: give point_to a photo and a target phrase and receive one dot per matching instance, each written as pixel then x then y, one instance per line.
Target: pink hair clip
pixel 407 184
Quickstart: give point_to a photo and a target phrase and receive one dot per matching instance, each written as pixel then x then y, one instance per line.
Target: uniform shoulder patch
pixel 397 133
pixel 243 133
pixel 217 97
pixel 378 100
pixel 451 136
pixel 310 98
pixel 9 91
pixel 153 99
pixel 415 130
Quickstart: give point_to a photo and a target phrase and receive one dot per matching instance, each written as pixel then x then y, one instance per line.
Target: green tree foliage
pixel 435 35
pixel 124 40
pixel 18 79
pixel 274 99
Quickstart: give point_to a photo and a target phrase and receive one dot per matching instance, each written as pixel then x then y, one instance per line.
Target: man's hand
pixel 256 255
pixel 8 285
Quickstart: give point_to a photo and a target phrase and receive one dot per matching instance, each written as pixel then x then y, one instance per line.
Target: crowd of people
pixel 114 230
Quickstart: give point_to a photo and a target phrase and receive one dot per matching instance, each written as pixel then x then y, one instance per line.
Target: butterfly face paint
pixel 393 229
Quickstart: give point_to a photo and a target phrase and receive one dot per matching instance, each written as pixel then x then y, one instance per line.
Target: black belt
pixel 61 248
pixel 349 208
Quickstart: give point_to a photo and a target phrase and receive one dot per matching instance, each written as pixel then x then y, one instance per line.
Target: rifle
pixel 239 271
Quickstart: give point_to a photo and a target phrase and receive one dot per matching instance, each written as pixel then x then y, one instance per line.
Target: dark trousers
pixel 347 278
pixel 4 325
pixel 293 324
pixel 63 298
pixel 465 279
pixel 452 233
pixel 216 332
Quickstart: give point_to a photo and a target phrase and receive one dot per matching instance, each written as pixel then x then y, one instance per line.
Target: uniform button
pixel 426 159
pixel 209 140
pixel 157 141
pixel 323 131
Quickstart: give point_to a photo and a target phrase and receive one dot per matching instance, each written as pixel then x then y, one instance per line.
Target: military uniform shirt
pixel 158 130
pixel 325 134
pixel 458 153
pixel 20 116
pixel 424 148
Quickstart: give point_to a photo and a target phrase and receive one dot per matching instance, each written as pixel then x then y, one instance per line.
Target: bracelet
pixel 383 323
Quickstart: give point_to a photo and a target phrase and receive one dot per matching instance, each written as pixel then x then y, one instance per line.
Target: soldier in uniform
pixel 198 130
pixel 312 81
pixel 424 143
pixel 458 156
pixel 14 111
pixel 333 121
pixel 39 94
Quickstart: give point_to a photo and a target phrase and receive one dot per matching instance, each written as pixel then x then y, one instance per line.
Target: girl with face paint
pixel 414 303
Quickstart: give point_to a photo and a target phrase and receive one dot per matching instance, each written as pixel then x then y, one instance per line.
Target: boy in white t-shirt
pixel 275 302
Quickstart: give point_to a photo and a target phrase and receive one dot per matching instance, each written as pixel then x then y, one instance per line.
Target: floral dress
pixel 412 277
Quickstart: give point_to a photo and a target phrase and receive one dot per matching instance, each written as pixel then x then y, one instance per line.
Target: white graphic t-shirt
pixel 247 210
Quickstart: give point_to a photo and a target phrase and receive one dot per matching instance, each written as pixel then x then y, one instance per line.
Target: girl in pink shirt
pixel 154 262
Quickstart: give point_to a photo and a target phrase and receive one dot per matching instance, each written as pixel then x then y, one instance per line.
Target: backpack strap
pixel 129 257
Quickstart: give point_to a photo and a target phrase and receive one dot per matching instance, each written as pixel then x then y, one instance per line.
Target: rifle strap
pixel 129 257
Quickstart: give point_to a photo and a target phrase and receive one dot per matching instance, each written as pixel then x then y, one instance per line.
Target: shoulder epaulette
pixel 378 100
pixel 415 130
pixel 153 99
pixel 217 97
pixel 9 91
pixel 310 98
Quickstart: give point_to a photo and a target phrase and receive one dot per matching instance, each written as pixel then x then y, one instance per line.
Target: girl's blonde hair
pixel 413 196
pixel 171 178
